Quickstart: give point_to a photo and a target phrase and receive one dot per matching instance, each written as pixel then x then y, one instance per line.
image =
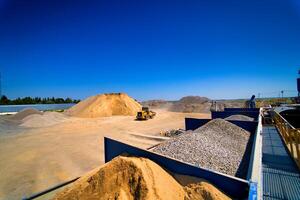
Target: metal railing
pixel 290 135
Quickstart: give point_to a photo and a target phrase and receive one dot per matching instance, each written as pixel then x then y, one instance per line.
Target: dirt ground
pixel 34 159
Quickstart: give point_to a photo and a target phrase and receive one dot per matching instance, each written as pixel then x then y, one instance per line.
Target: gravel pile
pixel 240 118
pixel 218 145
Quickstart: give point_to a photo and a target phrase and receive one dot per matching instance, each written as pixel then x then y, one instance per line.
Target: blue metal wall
pixel 193 123
pixel 236 188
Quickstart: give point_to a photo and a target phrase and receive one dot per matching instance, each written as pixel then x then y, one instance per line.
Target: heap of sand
pixel 190 104
pixel 47 119
pixel 105 105
pixel 135 178
pixel 24 113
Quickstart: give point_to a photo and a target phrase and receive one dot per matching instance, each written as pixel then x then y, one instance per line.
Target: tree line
pixel 36 100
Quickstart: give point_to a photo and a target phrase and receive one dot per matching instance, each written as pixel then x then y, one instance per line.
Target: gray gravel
pixel 218 145
pixel 240 118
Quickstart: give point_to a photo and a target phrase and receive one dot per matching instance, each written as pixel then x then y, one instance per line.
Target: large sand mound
pixel 194 99
pixel 125 178
pixel 191 104
pixel 134 178
pixel 160 104
pixel 24 113
pixel 105 105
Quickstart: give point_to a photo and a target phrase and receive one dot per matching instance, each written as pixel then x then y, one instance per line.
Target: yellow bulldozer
pixel 145 114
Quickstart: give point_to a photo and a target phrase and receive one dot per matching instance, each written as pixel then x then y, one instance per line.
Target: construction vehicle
pixel 145 114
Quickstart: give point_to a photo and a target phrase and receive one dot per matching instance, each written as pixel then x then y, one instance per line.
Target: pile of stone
pixel 240 118
pixel 218 145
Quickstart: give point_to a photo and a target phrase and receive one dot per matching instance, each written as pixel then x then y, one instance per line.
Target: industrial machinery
pixel 145 114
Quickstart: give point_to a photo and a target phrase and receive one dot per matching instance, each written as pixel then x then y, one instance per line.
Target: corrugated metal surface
pixel 281 178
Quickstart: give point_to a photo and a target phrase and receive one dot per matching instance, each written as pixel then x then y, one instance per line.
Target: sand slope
pixel 192 104
pixel 105 105
pixel 203 191
pixel 195 104
pixel 24 113
pixel 125 178
pixel 47 119
pixel 135 178
pixel 34 159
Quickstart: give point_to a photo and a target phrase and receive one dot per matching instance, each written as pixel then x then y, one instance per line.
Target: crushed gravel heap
pixel 105 105
pixel 136 178
pixel 218 145
pixel 240 118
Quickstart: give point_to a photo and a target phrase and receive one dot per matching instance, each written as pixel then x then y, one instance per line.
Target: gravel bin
pixel 218 145
pixel 240 118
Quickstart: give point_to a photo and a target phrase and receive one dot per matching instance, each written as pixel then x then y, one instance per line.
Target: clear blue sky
pixel 149 49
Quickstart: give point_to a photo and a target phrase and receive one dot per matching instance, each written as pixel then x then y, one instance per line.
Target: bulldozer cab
pixel 146 109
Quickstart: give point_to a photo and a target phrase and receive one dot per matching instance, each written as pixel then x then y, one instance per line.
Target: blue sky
pixel 149 49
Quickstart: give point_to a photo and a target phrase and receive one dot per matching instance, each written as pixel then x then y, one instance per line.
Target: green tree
pixel 68 100
pixel 4 100
pixel 59 100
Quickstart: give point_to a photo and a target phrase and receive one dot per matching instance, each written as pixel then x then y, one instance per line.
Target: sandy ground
pixel 33 159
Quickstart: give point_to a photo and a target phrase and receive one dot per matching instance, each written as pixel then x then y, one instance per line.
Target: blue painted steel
pixel 237 188
pixel 241 109
pixel 192 124
pixel 253 191
pixel 224 114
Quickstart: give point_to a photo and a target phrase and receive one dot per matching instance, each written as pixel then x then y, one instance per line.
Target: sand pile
pixel 134 178
pixel 47 119
pixel 239 118
pixel 203 191
pixel 193 104
pixel 157 104
pixel 24 113
pixel 218 145
pixel 194 99
pixel 105 105
pixel 190 104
